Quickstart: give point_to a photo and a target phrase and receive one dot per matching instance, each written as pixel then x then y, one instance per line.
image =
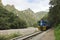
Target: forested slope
pixel 9 20
pixel 28 15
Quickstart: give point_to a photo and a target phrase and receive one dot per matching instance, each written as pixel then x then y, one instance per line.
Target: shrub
pixel 8 37
pixel 57 32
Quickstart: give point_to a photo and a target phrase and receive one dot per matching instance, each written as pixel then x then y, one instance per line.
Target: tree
pixel 54 12
pixel 9 20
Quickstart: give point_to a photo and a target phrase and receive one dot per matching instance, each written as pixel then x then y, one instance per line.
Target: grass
pixel 8 37
pixel 57 32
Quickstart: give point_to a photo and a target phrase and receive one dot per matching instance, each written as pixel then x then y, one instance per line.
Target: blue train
pixel 44 24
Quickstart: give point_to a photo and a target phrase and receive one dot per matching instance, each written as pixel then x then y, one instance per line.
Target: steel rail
pixel 27 36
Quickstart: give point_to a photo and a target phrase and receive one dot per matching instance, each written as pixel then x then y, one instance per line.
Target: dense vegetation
pixel 10 20
pixel 54 13
pixel 54 16
pixel 57 32
pixel 28 15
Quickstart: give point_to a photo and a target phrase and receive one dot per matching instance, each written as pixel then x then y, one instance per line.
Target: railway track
pixel 31 36
pixel 28 37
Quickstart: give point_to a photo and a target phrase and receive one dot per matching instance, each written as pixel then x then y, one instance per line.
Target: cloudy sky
pixel 35 5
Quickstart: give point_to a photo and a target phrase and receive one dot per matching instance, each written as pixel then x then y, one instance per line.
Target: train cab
pixel 45 25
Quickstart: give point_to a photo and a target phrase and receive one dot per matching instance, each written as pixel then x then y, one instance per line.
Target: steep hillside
pixel 28 15
pixel 30 18
pixel 9 20
pixel 41 14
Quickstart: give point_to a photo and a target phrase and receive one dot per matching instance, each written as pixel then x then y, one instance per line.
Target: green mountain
pixel 41 14
pixel 28 15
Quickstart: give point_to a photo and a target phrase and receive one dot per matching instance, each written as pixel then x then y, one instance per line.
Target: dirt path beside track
pixel 49 35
